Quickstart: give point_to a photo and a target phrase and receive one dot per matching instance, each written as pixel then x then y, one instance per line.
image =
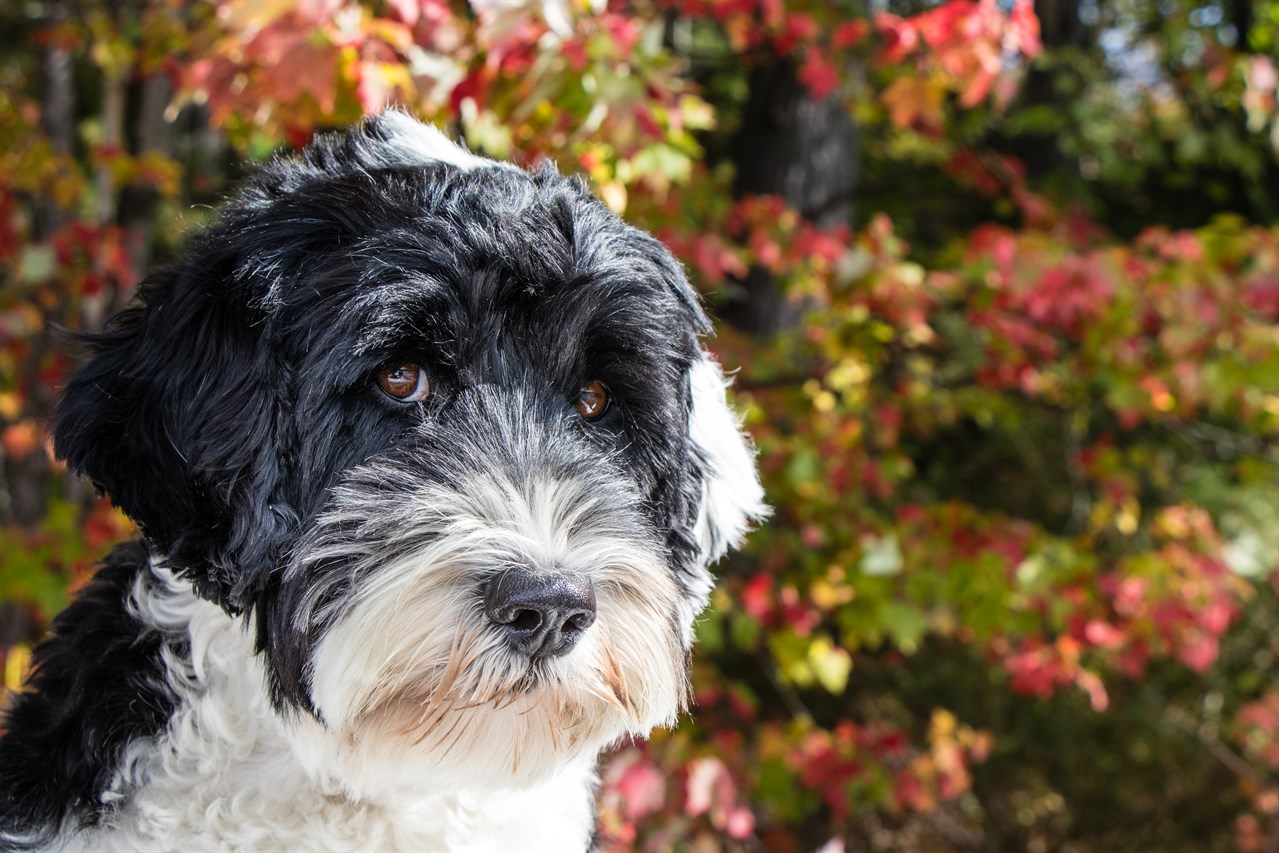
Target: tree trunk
pixel 803 150
pixel 28 476
pixel 24 481
pixel 57 114
pixel 151 134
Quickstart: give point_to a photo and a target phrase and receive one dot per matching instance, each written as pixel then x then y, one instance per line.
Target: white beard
pixel 229 773
pixel 430 732
pixel 413 681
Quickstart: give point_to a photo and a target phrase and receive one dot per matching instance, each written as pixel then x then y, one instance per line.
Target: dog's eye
pixel 592 400
pixel 406 382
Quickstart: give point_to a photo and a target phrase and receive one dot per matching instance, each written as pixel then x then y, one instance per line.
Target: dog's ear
pixel 731 496
pixel 725 489
pixel 176 418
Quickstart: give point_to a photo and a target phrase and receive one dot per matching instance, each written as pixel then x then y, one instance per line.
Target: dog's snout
pixel 540 615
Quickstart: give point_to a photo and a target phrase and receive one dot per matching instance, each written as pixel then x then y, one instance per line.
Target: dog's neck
pixel 229 768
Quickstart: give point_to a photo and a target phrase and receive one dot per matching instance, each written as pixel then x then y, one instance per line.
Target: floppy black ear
pixel 176 417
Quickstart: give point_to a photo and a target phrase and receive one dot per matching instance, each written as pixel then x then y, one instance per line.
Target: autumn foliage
pixel 1022 441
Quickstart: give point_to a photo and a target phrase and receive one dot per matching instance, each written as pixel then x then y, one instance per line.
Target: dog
pixel 429 466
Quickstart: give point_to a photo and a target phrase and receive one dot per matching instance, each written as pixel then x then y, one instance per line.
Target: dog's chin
pixel 415 678
pixel 518 737
pixel 491 721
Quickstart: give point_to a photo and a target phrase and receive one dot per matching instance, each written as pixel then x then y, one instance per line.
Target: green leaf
pixel 905 625
pixel 881 556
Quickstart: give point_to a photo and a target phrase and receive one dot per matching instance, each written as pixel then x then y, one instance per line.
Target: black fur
pixel 486 430
pixel 222 410
pixel 242 379
pixel 97 684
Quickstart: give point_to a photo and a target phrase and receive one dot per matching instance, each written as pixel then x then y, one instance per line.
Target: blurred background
pixel 1000 283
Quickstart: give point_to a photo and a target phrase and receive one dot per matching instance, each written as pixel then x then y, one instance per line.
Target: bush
pixel 1004 307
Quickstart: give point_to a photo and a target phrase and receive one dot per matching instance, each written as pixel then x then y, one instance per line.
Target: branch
pixel 1228 443
pixel 785 692
pixel 1233 761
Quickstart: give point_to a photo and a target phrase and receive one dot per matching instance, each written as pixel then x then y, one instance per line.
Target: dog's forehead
pixel 393 201
pixel 388 237
pixel 530 232
pixel 421 240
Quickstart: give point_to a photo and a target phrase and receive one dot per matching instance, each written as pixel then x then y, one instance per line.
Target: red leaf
pixel 294 64
pixel 818 74
pixel 406 10
pixel 20 439
pixel 739 823
pixel 1103 634
pixel 706 776
pixel 900 36
pixel 1200 653
pixel 1262 296
pixel 851 33
pixel 1025 26
pixel 643 789
pixel 758 598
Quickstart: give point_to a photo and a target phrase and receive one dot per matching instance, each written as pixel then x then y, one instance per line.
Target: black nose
pixel 541 615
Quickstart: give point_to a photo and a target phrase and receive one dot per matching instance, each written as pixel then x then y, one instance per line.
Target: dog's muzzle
pixel 539 615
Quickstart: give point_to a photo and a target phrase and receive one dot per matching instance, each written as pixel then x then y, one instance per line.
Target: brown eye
pixel 406 382
pixel 592 400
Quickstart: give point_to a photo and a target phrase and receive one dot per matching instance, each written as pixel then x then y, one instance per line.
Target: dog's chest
pixel 229 774
pixel 293 817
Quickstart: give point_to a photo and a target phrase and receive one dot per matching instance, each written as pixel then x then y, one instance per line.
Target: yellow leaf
pixel 16 664
pixel 1129 516
pixel 942 726
pixel 9 405
pixel 914 99
pixel 830 664
pixel 614 195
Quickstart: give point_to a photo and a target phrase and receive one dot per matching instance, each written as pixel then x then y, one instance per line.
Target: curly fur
pixel 297 654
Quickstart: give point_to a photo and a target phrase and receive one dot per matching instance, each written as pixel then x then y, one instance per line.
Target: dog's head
pixel 443 429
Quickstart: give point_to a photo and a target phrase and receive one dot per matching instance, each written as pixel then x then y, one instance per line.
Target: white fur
pixel 414 681
pixel 229 774
pixel 434 736
pixel 413 143
pixel 731 494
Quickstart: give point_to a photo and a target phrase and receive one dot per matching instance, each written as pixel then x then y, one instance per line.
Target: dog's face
pixel 444 430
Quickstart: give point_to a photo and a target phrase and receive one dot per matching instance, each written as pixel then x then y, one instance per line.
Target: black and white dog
pixel 430 466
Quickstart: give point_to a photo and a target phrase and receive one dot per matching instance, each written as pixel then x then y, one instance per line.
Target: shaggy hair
pixel 429 466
